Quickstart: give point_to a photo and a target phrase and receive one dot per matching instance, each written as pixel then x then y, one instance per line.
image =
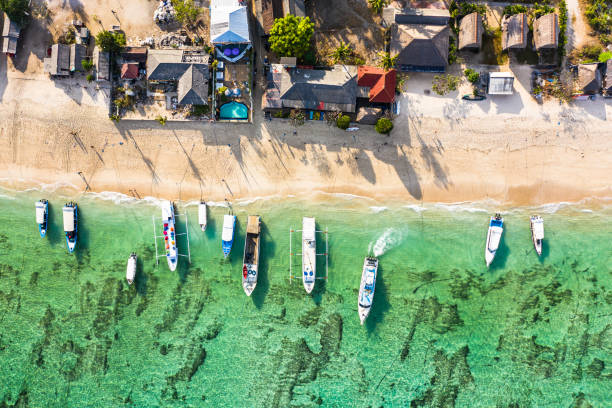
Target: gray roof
pixel 295 7
pixel 546 31
pixel 193 85
pixel 170 65
pixel 10 28
pixel 514 31
pixel 420 45
pixel 102 64
pixel 429 16
pixel 77 53
pixel 9 45
pixel 589 78
pixel 608 77
pixel 58 63
pixel 334 89
pixel 470 31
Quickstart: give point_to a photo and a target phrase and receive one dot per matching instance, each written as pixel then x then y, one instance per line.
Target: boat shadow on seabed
pixel 268 249
pixel 501 256
pixel 380 303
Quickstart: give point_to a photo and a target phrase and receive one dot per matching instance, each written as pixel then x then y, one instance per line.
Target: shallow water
pixel 444 330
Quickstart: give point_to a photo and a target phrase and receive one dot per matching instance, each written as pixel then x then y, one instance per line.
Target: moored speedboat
pixel 496 228
pixel 227 236
pixel 537 232
pixel 130 273
pixel 366 288
pixel 202 215
pixel 251 254
pixel 309 253
pixel 42 215
pixel 169 231
pixel 70 213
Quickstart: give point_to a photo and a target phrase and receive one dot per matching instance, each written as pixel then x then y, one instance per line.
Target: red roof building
pixel 129 70
pixel 380 82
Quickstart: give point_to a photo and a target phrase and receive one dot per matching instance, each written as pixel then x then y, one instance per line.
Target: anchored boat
pixel 366 289
pixel 169 231
pixel 309 253
pixel 227 236
pixel 42 214
pixel 537 232
pixel 496 228
pixel 132 263
pixel 70 212
pixel 202 212
pixel 251 254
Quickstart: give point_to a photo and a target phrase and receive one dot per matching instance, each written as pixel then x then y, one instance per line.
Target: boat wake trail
pixel 389 239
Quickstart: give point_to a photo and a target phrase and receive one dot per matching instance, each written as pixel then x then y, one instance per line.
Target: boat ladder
pixel 292 254
pixel 156 237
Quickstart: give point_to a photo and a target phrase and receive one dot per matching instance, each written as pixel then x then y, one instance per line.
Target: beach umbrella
pixel 227 52
pixel 235 51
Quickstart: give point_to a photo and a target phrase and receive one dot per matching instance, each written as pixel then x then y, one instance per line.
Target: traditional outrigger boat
pixel 169 231
pixel 70 213
pixel 202 215
pixel 251 254
pixel 496 228
pixel 130 273
pixel 42 216
pixel 367 286
pixel 227 236
pixel 537 232
pixel 309 253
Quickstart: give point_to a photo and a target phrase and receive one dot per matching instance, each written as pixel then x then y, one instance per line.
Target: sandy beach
pixel 442 149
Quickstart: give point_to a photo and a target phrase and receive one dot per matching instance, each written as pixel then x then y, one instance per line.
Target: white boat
pixel 202 216
pixel 42 216
pixel 537 232
pixel 170 234
pixel 251 254
pixel 70 213
pixel 366 288
pixel 309 253
pixel 132 263
pixel 496 228
pixel 227 236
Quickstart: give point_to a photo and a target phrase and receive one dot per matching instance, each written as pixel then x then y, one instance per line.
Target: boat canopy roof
pixel 40 213
pixel 253 224
pixel 202 213
pixel 496 223
pixel 167 210
pixel 308 228
pixel 228 227
pixel 538 229
pixel 68 218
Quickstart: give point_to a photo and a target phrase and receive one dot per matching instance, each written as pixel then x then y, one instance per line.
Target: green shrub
pixel 290 36
pixel 110 42
pixel 459 10
pixel 343 121
pixel 115 117
pixel 377 5
pixel 452 50
pixel 386 60
pixel 443 84
pixel 599 15
pixel 214 64
pixel 605 56
pixel 590 53
pixel 316 116
pixel 87 64
pixel 199 110
pixel 222 90
pixel 17 10
pixel 89 77
pixel 540 10
pixel 562 27
pixel 161 119
pixel 472 75
pixel 297 117
pixel 384 125
pixel 514 9
pixel 186 12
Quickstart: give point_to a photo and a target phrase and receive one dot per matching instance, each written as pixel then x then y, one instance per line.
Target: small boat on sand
pixel 227 236
pixel 202 215
pixel 42 214
pixel 309 253
pixel 496 228
pixel 366 289
pixel 169 231
pixel 251 254
pixel 132 263
pixel 70 212
pixel 537 232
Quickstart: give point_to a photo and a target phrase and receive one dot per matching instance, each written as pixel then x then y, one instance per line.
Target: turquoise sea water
pixel 444 330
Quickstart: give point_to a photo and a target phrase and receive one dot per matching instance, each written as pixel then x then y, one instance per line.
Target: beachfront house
pixel 229 29
pixel 183 72
pixel 77 55
pixel 589 79
pixel 10 35
pixel 546 32
pixel 332 89
pixel 419 36
pixel 101 62
pixel 500 83
pixel 379 82
pixel 470 32
pixel 514 31
pixel 133 60
pixel 58 62
pixel 266 11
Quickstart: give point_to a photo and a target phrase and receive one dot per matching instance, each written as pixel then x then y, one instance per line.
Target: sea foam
pixel 389 239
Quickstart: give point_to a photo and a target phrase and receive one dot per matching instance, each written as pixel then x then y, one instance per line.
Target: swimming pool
pixel 234 110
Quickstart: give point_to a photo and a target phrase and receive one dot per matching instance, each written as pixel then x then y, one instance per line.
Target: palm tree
pixel 386 60
pixel 377 5
pixel 342 53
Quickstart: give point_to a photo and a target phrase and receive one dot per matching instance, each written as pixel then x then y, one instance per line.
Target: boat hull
pixel 72 236
pixel 250 260
pixel 537 233
pixel 42 217
pixel 309 254
pixel 494 235
pixel 169 232
pixel 42 230
pixel 227 235
pixel 202 216
pixel 130 273
pixel 367 288
pixel 364 312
